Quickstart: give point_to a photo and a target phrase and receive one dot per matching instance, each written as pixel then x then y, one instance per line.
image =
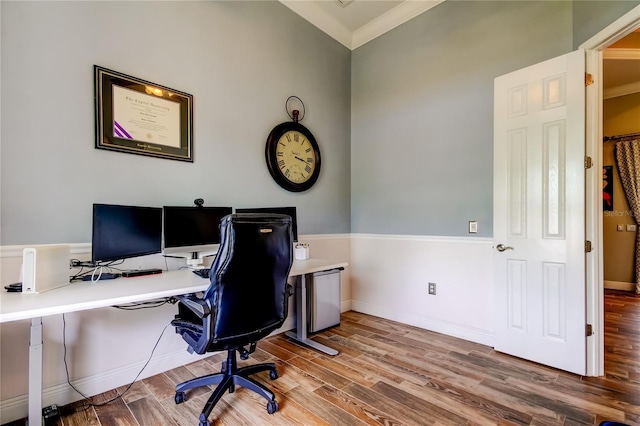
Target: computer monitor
pixel 192 232
pixel 122 232
pixel 289 211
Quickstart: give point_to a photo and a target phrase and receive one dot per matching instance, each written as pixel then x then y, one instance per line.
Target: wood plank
pixel 160 386
pixel 149 412
pixel 323 374
pixel 182 374
pixel 477 409
pixel 295 413
pixel 276 350
pixel 322 408
pixel 396 409
pixel 418 404
pixel 114 409
pixel 133 392
pixel 556 401
pixel 356 408
pixel 361 376
pixel 78 414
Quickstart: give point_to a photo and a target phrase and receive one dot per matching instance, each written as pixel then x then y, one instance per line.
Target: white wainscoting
pixel 390 275
pixel 106 348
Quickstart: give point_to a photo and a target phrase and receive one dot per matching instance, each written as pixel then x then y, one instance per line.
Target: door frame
pixel 593 183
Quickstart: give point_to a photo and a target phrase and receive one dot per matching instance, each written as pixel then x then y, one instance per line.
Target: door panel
pixel 539 213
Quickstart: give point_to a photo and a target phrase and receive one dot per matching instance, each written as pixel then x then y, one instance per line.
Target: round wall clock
pixel 293 156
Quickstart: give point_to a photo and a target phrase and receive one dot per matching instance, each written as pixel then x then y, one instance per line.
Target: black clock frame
pixel 272 161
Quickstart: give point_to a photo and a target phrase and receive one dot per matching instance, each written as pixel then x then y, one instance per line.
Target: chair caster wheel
pixel 272 406
pixel 273 374
pixel 203 421
pixel 180 398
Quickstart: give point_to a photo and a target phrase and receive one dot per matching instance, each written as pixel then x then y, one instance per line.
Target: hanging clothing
pixel 628 159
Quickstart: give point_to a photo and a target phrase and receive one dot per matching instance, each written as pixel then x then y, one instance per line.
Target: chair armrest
pixel 196 305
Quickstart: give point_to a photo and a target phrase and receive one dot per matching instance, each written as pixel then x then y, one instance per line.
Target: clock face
pixel 296 159
pixel 293 157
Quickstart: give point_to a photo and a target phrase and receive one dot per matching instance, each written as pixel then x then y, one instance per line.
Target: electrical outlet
pixel 432 288
pixel 631 228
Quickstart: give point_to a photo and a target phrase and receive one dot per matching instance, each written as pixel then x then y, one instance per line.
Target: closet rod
pixel 628 135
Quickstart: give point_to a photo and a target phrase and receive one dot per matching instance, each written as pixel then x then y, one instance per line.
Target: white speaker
pixel 45 267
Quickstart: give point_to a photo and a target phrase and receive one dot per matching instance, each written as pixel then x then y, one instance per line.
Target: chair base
pixel 230 377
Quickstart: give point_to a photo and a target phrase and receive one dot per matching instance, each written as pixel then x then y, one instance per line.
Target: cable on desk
pixel 95 267
pixel 146 305
pixel 88 398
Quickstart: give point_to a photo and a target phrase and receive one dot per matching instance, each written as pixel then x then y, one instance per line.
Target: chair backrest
pixel 248 293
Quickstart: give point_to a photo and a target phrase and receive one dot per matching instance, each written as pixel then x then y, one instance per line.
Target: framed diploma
pixel 140 117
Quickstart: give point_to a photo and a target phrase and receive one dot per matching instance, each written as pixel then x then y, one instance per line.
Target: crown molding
pixel 621 54
pixel 321 19
pixel 389 20
pixel 317 16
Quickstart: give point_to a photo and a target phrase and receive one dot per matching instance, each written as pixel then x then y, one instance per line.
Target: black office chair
pixel 247 300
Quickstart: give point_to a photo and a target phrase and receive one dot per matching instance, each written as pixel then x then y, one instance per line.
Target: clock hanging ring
pixel 292 153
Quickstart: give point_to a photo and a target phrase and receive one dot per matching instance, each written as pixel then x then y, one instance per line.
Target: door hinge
pixel 589 330
pixel 588 79
pixel 587 246
pixel 588 162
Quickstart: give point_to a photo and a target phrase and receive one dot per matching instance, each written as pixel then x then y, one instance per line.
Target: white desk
pixel 86 295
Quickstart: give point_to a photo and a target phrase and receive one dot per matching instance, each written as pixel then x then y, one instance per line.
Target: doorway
pixel 621 117
pixel 595 51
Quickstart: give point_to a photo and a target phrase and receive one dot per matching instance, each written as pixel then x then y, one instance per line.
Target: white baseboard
pixel 345 305
pixel 484 337
pixel 619 285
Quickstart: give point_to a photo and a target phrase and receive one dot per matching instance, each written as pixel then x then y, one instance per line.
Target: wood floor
pixel 392 374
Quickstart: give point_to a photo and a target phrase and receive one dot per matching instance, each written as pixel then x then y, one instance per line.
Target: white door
pixel 539 225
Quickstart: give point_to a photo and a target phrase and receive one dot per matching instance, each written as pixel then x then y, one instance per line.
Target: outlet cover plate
pixel 473 226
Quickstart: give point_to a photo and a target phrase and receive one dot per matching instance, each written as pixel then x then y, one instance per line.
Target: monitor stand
pixel 195 261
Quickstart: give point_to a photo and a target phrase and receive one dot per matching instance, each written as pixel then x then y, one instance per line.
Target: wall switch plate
pixel 432 288
pixel 473 226
pixel 620 227
pixel 631 228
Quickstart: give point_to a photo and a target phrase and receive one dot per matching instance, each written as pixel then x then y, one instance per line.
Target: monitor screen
pixel 192 229
pixel 289 211
pixel 121 232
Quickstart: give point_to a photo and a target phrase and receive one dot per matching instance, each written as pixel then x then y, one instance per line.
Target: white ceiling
pixel 360 20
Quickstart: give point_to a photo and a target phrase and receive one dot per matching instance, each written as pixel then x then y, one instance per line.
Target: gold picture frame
pixel 139 117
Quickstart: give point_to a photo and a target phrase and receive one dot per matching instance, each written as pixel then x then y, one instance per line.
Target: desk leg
pixel 301 321
pixel 35 373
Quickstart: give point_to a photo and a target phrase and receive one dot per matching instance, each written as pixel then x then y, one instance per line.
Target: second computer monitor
pixel 192 229
pixel 289 211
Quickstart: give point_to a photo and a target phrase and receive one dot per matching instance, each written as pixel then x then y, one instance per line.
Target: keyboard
pixel 202 273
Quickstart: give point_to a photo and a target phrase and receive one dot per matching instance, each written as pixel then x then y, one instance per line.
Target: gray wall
pixel 240 61
pixel 590 17
pixel 406 143
pixel 422 112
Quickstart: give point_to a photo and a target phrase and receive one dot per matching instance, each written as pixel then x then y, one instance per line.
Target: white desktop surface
pixel 84 295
